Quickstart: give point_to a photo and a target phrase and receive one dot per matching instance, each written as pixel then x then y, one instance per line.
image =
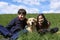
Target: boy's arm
pixel 10 24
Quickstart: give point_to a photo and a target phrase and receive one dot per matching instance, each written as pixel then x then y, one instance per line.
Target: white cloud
pixel 29 10
pixel 33 10
pixel 6 8
pixel 29 2
pixel 10 8
pixel 51 11
pixel 55 6
pixel 3 4
pixel 43 0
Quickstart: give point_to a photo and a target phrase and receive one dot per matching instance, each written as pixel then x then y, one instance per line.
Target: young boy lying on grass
pixel 15 26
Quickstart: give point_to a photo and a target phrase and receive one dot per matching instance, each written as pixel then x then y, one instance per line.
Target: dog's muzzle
pixel 32 23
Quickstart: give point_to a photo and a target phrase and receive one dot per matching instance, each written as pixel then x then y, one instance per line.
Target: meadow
pixel 53 18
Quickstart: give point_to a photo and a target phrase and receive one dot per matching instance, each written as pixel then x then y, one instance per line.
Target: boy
pixel 16 25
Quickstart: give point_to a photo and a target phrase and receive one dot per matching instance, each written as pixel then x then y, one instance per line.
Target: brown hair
pixel 22 11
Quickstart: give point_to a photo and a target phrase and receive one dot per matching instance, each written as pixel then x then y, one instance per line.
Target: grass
pixel 35 36
pixel 53 18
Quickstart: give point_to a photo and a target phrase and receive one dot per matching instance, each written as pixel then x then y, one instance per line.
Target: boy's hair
pixel 22 11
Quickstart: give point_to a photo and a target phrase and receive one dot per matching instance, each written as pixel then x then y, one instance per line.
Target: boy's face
pixel 21 16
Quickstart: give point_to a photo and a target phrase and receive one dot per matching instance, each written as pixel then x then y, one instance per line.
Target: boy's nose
pixel 21 16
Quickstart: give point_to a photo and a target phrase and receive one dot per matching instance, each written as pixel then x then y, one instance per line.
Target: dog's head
pixel 31 21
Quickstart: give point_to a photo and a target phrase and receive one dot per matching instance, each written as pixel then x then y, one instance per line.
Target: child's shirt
pixel 16 25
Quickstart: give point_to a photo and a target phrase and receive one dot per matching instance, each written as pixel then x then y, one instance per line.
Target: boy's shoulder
pixel 25 19
pixel 15 19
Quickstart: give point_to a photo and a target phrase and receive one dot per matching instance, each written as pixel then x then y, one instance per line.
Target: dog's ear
pixel 35 20
pixel 27 21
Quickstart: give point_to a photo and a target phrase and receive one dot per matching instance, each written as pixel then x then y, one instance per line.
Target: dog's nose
pixel 32 22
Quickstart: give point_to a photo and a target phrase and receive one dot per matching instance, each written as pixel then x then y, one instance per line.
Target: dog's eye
pixel 30 20
pixel 34 20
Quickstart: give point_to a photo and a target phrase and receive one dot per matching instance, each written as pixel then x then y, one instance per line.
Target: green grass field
pixel 53 18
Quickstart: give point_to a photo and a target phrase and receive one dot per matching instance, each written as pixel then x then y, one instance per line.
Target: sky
pixel 31 6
